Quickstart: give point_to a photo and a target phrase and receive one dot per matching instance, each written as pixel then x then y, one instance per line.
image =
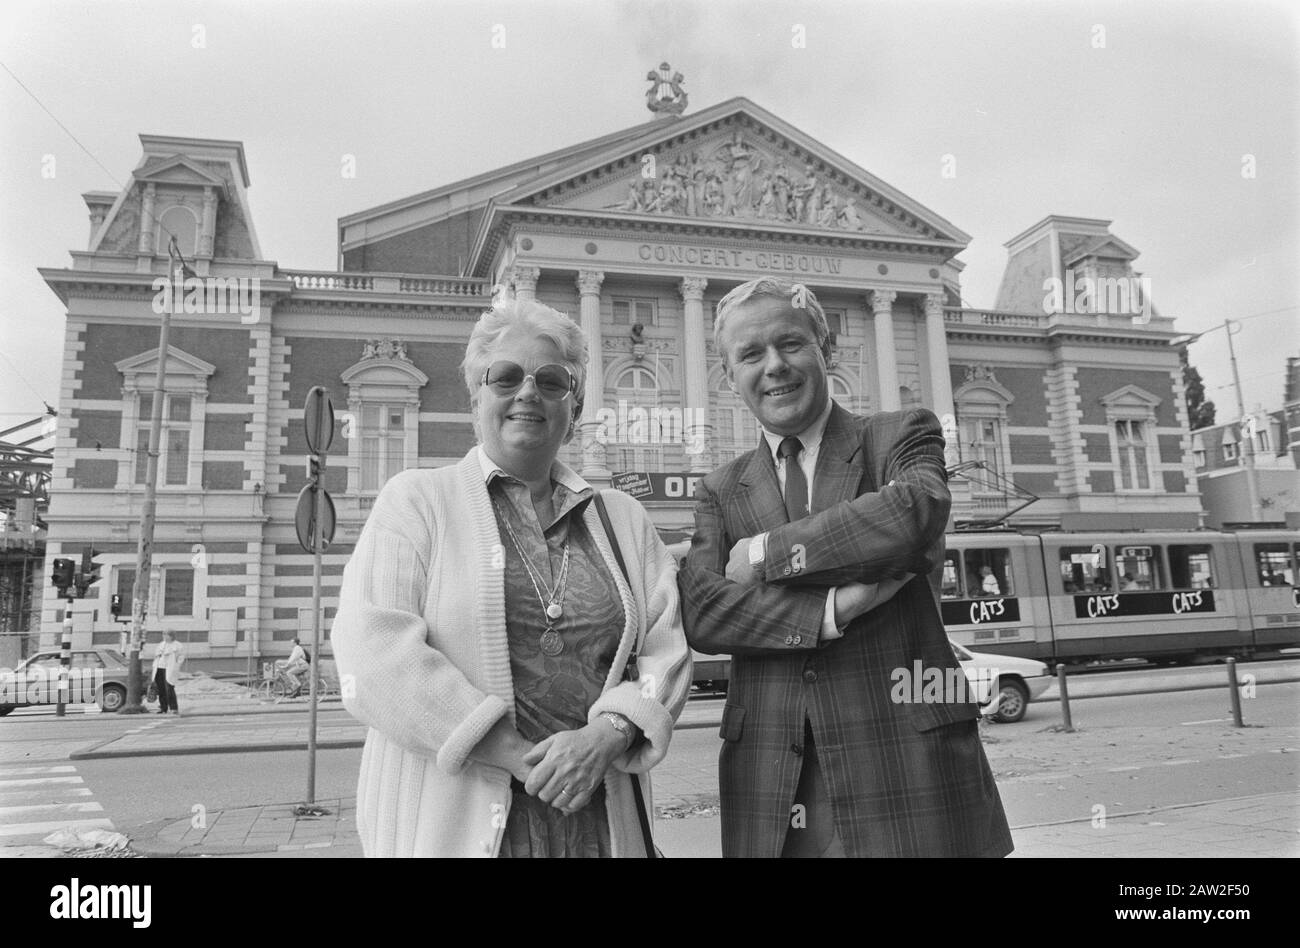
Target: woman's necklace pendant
pixel 552 644
pixel 554 610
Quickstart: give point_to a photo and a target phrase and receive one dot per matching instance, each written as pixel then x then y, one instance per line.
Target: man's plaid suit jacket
pixel 904 778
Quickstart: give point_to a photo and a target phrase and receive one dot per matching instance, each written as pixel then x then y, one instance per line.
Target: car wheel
pixel 1013 701
pixel 111 698
pixel 6 708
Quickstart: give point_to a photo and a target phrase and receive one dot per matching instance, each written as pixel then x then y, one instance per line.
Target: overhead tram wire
pixel 152 218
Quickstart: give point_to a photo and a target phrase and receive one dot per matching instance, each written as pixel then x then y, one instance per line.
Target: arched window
pixel 639 429
pixel 841 392
pixel 184 224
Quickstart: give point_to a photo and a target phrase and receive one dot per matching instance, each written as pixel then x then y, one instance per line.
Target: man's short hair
pixel 796 294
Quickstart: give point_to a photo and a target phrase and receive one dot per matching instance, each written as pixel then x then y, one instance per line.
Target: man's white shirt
pixel 811 439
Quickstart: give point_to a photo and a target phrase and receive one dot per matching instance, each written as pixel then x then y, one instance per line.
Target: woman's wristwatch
pixel 621 724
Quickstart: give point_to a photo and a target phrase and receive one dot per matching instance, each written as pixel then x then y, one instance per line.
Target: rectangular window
pixel 988 573
pixel 1191 567
pixel 383 443
pixel 838 321
pixel 1084 570
pixel 630 311
pixel 126 587
pixel 982 441
pixel 950 584
pixel 173 443
pixel 1274 563
pixel 178 591
pixel 1230 451
pixel 1198 458
pixel 1134 469
pixel 1138 568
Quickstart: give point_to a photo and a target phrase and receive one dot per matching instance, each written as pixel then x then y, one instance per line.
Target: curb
pixel 94 752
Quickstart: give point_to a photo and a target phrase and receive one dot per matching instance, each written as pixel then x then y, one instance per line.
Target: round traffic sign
pixel 319 417
pixel 304 518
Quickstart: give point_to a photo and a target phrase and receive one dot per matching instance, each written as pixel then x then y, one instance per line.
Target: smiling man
pixel 810 566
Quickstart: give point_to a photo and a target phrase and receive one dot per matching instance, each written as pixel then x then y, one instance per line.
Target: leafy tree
pixel 1200 413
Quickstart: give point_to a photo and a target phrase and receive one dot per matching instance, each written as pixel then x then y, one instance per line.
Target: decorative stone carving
pixel 391 349
pixel 739 180
pixel 980 373
pixel 665 96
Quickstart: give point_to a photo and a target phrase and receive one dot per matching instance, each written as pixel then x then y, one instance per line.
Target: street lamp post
pixel 1248 452
pixel 144 552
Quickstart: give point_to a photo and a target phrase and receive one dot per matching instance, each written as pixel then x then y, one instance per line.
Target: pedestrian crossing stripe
pixel 38 800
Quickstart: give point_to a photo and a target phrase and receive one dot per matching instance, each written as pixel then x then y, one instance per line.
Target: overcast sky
pixel 1140 112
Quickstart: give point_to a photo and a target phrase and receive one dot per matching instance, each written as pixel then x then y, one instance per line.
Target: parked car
pixel 1003 684
pixel 96 676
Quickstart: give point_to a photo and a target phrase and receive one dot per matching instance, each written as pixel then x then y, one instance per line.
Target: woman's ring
pixel 565 793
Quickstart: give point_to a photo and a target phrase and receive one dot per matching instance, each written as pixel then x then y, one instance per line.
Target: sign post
pixel 314 521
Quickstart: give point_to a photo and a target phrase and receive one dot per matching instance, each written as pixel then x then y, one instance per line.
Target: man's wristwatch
pixel 758 555
pixel 620 724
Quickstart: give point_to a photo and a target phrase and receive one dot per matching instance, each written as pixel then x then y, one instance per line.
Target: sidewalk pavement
pixel 686 794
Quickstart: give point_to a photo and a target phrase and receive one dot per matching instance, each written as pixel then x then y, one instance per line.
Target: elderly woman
pixel 514 682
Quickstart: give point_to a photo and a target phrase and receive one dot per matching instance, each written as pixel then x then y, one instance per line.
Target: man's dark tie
pixel 796 485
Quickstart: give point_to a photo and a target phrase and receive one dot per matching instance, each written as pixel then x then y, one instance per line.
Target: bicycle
pixel 280 686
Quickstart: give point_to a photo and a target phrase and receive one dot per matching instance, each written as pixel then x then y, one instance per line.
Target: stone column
pixel 936 338
pixel 208 227
pixel 594 464
pixel 525 281
pixel 882 310
pixel 695 377
pixel 147 222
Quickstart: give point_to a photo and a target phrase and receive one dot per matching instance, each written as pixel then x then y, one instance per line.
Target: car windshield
pixel 114 654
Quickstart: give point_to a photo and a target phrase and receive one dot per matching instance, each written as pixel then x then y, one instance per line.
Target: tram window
pixel 950 584
pixel 988 573
pixel 1084 569
pixel 1138 568
pixel 1274 562
pixel 1191 567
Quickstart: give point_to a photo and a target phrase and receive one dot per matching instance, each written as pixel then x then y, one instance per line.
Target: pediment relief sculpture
pixel 735 179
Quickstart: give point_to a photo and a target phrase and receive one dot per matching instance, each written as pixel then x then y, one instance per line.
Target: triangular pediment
pixel 179 363
pixel 1130 397
pixel 182 171
pixel 1108 247
pixel 734 163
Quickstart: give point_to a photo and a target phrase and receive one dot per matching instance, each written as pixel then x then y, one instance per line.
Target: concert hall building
pixel 1068 391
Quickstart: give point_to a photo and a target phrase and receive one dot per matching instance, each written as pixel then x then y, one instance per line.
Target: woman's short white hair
pixel 536 319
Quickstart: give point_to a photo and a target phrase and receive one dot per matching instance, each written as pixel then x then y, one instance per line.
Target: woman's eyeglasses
pixel 553 381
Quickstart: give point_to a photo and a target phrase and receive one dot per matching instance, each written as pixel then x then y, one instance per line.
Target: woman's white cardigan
pixel 423 659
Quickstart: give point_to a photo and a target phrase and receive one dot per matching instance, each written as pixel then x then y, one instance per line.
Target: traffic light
pixel 62 575
pixel 115 605
pixel 89 574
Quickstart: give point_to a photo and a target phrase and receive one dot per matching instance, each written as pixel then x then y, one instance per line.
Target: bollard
pixel 65 662
pixel 1065 698
pixel 1235 689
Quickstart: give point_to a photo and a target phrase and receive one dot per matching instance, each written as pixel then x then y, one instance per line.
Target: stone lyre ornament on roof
pixel 665 97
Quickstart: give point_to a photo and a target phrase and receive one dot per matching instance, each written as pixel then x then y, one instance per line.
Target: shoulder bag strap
pixel 629 674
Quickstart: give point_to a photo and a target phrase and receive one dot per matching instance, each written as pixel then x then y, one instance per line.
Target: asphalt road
pixel 1039 775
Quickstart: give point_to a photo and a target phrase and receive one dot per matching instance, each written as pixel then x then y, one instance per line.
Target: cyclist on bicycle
pixel 298 663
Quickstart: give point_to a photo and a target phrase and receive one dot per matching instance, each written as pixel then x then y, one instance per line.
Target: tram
pixel 1164 596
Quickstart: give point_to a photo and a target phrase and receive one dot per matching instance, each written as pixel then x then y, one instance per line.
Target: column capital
pixel 692 288
pixel 525 278
pixel 589 281
pixel 934 304
pixel 882 301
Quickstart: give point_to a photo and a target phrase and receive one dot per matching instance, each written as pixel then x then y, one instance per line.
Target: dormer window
pixel 183 223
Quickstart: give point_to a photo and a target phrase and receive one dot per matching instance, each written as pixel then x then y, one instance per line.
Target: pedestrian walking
pixel 167 659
